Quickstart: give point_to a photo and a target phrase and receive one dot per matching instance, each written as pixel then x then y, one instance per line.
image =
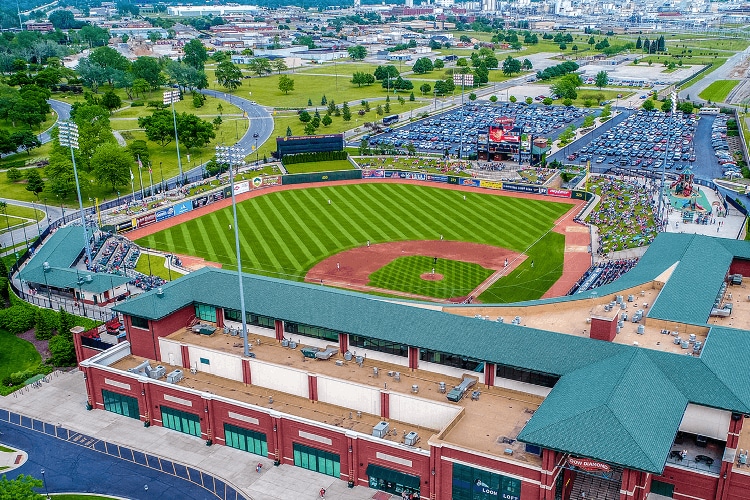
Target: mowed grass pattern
pixel 284 234
pixel 403 274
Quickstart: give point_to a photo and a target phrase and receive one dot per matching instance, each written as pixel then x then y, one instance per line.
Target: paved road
pixel 63 114
pixel 7 239
pixel 719 74
pixel 75 462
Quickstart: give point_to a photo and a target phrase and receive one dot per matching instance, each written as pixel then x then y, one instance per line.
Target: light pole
pixel 664 164
pixel 171 97
pixel 231 155
pixel 68 137
pixel 46 268
pixel 162 181
pixel 44 481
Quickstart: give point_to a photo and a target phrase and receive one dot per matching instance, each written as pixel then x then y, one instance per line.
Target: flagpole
pixel 140 177
pixel 150 179
pixel 132 184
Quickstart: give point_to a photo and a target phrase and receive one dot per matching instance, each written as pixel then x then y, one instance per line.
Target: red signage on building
pixel 561 193
pixel 589 465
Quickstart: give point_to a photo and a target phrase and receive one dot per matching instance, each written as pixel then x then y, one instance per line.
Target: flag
pixel 132 177
pixel 140 164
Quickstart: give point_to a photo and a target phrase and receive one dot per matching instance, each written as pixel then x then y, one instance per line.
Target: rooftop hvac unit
pixel 623 306
pixel 641 330
pixel 158 372
pixel 685 344
pixel 160 292
pixel 380 430
pixel 441 387
pixel 175 376
pixel 142 369
pixel 631 298
pixel 458 392
pixel 677 341
pixel 411 439
pixel 415 388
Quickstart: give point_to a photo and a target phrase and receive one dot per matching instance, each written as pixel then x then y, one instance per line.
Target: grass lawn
pixel 319 166
pixel 375 212
pixel 342 68
pixel 718 90
pixel 8 126
pixel 16 354
pixel 403 274
pixel 420 163
pixel 36 154
pixel 158 266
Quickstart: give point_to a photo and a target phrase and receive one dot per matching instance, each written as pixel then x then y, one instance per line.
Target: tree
pixel 279 65
pixel 63 353
pixel 493 99
pixel 286 84
pixel 346 113
pixel 62 19
pixel 111 101
pixel 305 116
pixel 22 487
pixel 260 66
pixel 140 86
pixel 422 65
pixel 24 140
pixel 602 79
pixel 288 131
pixel 383 72
pixel 94 36
pixel 648 105
pixel 425 88
pixel 195 54
pixel 472 97
pixel 112 165
pixel 529 100
pixel 148 69
pixel 567 86
pixel 438 64
pixel 159 127
pixel 34 182
pixel 639 44
pixel 194 132
pixel 511 66
pixel 358 52
pixel 513 99
pixel 309 128
pixel 666 106
pixel 411 97
pixel 326 120
pixel 229 75
pixel 109 58
pixel 379 110
pixel 139 149
pixel 361 78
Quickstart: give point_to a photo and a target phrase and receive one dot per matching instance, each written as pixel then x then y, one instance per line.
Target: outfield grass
pixel 284 234
pixel 718 90
pixel 157 267
pixel 16 354
pixel 403 274
pixel 319 166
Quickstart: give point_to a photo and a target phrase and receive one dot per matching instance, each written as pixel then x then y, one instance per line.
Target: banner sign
pixel 437 178
pixel 560 193
pixel 183 207
pixel 164 214
pixel 124 226
pixel 241 187
pixel 225 193
pixel 491 184
pixel 200 202
pixel 272 180
pixel 589 465
pixel 371 173
pixel 146 220
pixel 467 181
pixel 521 188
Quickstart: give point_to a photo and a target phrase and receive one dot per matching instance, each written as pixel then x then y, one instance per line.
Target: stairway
pixel 596 488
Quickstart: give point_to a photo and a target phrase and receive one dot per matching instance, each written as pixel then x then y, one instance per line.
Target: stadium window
pixel 139 322
pixel 252 319
pixel 205 312
pixel 447 359
pixel 526 376
pixel 379 345
pixel 311 331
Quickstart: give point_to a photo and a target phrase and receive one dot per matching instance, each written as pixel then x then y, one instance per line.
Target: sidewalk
pixel 62 402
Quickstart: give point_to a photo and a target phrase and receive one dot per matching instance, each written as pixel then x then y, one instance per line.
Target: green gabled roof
pixel 68 278
pixel 361 314
pixel 727 356
pixel 689 294
pixel 61 249
pixel 598 411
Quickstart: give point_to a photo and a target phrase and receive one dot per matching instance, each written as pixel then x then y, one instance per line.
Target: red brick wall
pixel 604 329
pixel 143 341
pixel 689 485
pixel 367 454
pixel 739 487
pixel 740 266
pixel 96 379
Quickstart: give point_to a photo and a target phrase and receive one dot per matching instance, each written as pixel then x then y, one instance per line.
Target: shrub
pixel 62 350
pixel 47 322
pixel 14 174
pixel 17 318
pixel 136 104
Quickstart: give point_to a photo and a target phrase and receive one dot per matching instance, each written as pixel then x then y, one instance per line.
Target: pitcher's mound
pixel 431 277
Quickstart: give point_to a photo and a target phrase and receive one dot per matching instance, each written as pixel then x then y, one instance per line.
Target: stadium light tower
pixel 68 137
pixel 234 155
pixel 171 97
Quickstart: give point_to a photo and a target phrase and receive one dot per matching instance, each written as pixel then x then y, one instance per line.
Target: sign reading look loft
pixel 477 484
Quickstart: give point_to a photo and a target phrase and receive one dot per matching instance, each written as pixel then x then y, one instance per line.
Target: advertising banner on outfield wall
pixel 417 176
pixel 225 193
pixel 200 202
pixel 272 180
pixel 183 207
pixel 241 187
pixel 371 173
pixel 521 188
pixel 560 193
pixel 491 184
pixel 437 178
pixel 466 181
pixel 164 214
pixel 125 226
pixel 146 220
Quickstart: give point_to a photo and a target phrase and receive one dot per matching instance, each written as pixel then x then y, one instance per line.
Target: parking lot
pixel 443 132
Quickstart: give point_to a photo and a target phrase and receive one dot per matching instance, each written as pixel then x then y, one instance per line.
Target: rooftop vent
pixel 160 292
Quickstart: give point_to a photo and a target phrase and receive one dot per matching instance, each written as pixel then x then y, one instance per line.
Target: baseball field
pixel 285 234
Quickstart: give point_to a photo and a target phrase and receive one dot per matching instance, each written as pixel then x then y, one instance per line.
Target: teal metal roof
pixel 598 411
pixel 69 278
pixel 61 249
pixel 618 403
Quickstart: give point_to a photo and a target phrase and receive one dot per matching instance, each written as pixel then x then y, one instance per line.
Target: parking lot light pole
pixel 664 164
pixel 232 155
pixel 44 481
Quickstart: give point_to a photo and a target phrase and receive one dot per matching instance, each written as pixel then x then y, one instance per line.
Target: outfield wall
pixel 262 182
